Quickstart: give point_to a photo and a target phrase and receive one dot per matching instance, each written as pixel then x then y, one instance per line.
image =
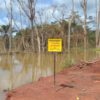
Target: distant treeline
pixel 22 40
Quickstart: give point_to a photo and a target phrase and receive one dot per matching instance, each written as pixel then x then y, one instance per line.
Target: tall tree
pixel 10 19
pixel 84 7
pixel 98 25
pixel 69 29
pixel 10 29
pixel 28 7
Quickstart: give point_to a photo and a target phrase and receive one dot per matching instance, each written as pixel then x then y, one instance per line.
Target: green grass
pixel 96 49
pixel 68 63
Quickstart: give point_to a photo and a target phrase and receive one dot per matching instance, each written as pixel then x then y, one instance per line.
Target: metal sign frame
pixel 55 46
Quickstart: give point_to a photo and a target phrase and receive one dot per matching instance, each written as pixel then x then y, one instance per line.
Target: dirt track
pixel 80 82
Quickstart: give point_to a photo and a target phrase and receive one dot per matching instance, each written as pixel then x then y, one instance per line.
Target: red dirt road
pixel 80 82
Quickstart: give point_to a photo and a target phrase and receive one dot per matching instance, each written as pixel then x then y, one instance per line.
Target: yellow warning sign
pixel 54 45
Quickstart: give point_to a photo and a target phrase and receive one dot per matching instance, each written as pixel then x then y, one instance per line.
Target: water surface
pixel 23 68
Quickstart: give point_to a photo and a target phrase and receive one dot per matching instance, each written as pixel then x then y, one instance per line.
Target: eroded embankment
pixel 80 82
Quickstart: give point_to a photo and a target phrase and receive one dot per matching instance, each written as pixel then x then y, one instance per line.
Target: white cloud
pixel 47 10
pixel 91 3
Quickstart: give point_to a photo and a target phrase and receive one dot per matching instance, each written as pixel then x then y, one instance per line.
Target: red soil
pixel 80 82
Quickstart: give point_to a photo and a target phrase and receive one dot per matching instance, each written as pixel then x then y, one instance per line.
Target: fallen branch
pixel 91 62
pixel 86 63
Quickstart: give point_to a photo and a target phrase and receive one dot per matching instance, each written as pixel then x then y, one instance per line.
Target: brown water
pixel 20 69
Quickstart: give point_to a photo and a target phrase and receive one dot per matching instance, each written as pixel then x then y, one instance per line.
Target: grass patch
pixel 68 63
pixel 97 49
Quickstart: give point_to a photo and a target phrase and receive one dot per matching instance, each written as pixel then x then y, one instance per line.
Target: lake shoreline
pixel 81 81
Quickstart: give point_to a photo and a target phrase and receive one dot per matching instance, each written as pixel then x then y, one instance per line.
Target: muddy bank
pixel 80 82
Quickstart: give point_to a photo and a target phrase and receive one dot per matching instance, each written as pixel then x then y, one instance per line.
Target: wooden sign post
pixel 54 46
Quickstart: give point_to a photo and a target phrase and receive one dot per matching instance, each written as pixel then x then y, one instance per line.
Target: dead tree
pixel 84 7
pixel 98 25
pixel 28 7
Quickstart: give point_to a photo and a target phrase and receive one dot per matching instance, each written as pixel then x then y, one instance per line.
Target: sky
pixel 47 9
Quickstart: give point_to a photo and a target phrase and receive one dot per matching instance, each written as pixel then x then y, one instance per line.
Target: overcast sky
pixel 47 5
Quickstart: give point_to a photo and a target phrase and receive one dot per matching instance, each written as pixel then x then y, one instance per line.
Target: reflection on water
pixel 19 69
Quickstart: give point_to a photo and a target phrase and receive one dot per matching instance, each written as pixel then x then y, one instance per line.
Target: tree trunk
pixel 96 33
pixel 98 30
pixel 38 38
pixel 69 36
pixel 32 35
pixel 85 30
pixel 10 29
